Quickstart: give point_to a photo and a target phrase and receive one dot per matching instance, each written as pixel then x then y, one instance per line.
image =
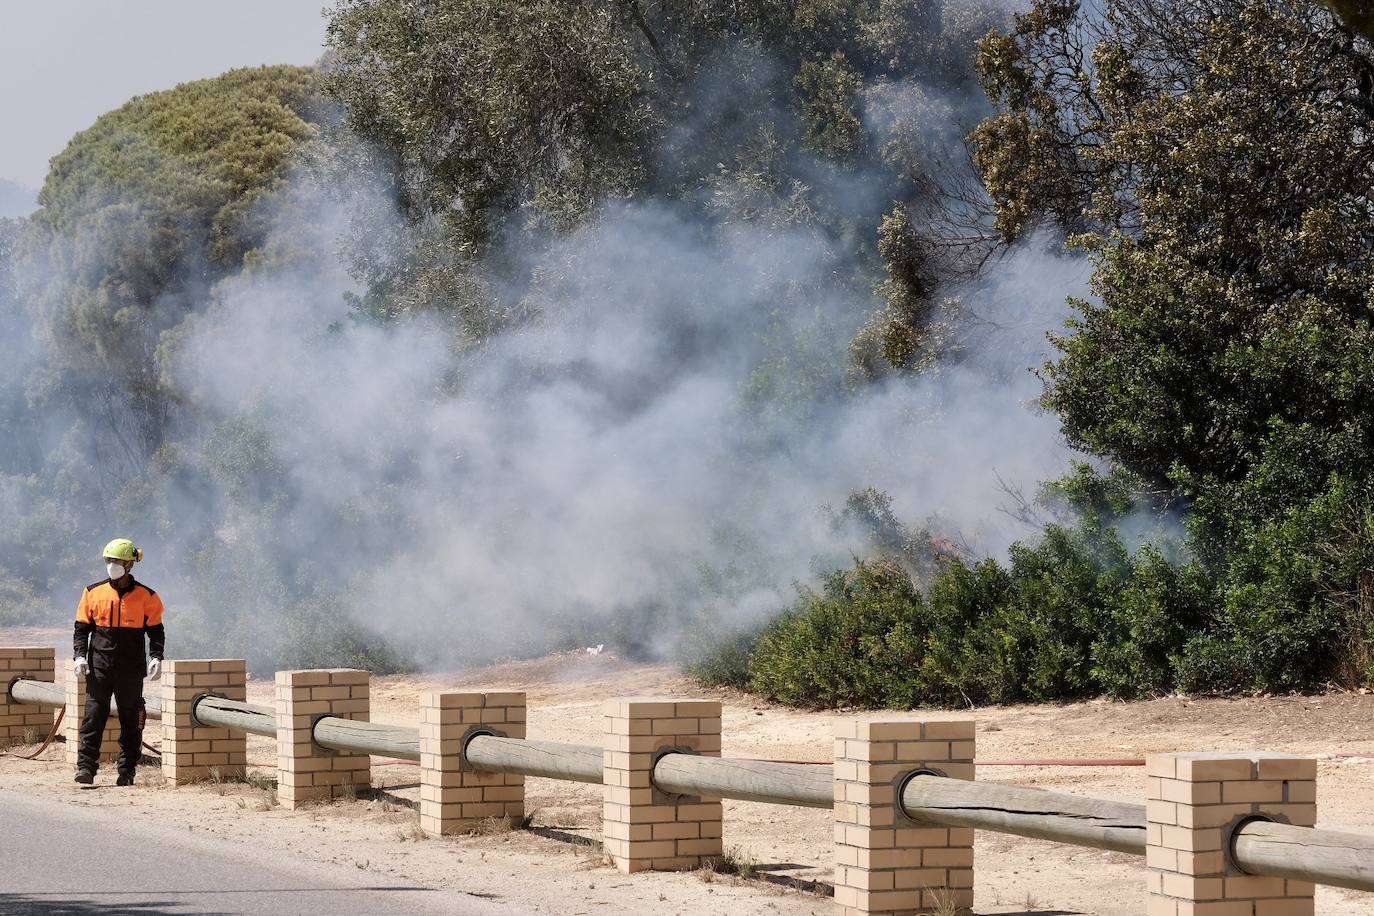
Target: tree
pixel 1217 159
pixel 525 117
pixel 140 215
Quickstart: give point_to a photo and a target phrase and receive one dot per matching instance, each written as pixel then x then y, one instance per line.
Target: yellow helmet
pixel 123 549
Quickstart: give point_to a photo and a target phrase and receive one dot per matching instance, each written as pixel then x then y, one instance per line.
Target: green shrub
pixel 1075 614
pixel 1145 626
pixel 1297 605
pixel 855 643
pixel 722 660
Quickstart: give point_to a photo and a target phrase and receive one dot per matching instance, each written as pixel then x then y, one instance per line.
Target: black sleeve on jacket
pixel 157 638
pixel 81 639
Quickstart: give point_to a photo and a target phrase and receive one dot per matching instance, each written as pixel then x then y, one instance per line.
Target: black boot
pixel 125 779
pixel 85 777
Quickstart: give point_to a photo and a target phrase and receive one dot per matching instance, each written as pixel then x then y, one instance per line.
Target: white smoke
pixel 590 465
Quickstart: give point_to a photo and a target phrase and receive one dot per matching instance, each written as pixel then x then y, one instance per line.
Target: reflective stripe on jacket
pixel 111 624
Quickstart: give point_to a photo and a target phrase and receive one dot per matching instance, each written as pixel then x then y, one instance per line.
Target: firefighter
pixel 114 618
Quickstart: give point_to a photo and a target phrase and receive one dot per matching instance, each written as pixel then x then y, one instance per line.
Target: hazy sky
pixel 64 62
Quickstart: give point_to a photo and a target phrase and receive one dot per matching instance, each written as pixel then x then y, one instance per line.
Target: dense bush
pixel 1296 607
pixel 1226 363
pixel 1054 624
pixel 1074 614
pixel 1078 614
pixel 859 641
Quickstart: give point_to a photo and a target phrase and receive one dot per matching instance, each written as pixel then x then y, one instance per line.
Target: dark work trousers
pixel 127 689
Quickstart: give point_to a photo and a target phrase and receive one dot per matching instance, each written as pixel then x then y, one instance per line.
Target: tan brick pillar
pixel 884 862
pixel 1194 802
pixel 645 828
pixel 18 720
pixel 189 751
pixel 305 771
pixel 455 798
pixel 76 711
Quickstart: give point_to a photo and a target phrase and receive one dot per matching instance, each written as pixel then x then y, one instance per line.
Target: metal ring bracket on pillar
pixel 662 796
pixel 899 784
pixel 9 688
pixel 1228 836
pixel 195 701
pixel 476 731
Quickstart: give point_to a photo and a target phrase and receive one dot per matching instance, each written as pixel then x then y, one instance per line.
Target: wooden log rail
pixel 1320 856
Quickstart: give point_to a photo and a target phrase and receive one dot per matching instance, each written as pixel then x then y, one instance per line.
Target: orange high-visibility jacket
pixel 111 624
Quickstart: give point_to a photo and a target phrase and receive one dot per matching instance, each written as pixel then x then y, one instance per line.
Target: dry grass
pixel 152 780
pixel 261 781
pixel 736 861
pixel 594 855
pixel 411 832
pixel 496 826
pixel 263 802
pixel 945 904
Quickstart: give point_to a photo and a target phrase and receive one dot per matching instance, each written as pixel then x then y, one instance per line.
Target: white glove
pixel 79 666
pixel 154 668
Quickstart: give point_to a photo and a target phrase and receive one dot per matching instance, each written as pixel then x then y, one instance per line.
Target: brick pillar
pixel 1194 802
pixel 190 750
pixel 454 798
pixel 645 828
pixel 305 771
pixel 76 711
pixel 886 863
pixel 18 719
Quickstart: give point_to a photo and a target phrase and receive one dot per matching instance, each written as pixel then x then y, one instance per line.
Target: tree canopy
pixel 528 116
pixel 1217 160
pixel 485 165
pixel 140 215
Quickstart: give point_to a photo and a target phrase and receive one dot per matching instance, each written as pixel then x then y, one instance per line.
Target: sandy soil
pixel 555 867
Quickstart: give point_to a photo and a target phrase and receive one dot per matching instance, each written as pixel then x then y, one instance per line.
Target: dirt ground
pixel 556 867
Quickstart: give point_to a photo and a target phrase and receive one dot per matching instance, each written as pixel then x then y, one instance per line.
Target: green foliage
pixel 856 642
pixel 722 660
pixel 1073 615
pixel 495 106
pixel 1077 614
pixel 1298 603
pixel 140 215
pixel 1229 352
pixel 829 88
pixel 527 116
pixel 196 160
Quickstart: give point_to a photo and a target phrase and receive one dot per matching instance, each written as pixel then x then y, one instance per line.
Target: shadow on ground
pixel 64 905
pixel 190 902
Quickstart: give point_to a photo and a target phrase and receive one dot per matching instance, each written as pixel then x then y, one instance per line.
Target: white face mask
pixel 116 570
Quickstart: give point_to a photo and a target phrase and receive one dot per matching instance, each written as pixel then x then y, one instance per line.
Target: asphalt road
pixel 64 859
